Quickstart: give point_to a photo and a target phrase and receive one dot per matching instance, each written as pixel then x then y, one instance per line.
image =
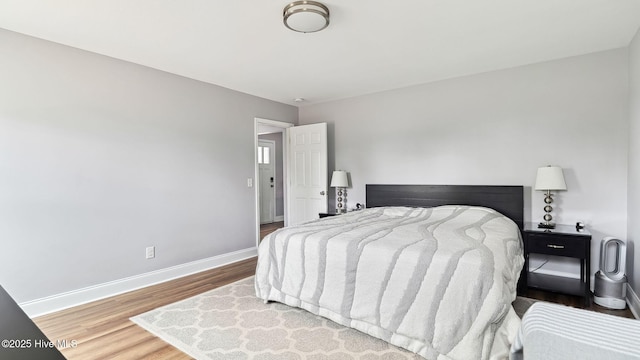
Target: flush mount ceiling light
pixel 306 16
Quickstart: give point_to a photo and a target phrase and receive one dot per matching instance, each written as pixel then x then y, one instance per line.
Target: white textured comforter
pixel 438 281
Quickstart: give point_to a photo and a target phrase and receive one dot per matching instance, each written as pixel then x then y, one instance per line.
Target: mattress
pixel 436 281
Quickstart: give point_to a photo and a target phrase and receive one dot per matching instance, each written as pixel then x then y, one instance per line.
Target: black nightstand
pixel 565 241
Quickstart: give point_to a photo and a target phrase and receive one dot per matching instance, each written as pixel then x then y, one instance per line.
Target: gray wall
pixel 100 158
pixel 634 165
pixel 277 137
pixel 497 128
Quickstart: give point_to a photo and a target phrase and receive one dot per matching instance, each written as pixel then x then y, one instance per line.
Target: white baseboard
pixel 275 219
pixel 633 301
pixel 85 295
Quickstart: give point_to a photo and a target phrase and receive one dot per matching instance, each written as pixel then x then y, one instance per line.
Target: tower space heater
pixel 610 287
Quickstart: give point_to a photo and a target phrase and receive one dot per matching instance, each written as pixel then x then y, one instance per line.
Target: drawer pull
pixel 555 246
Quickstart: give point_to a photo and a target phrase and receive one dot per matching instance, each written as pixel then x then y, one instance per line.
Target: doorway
pixel 304 171
pixel 271 202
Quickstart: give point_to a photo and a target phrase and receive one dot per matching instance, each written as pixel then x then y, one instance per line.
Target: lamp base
pixel 546 225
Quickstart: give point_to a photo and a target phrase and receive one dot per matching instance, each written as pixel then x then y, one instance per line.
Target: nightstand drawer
pixel 556 245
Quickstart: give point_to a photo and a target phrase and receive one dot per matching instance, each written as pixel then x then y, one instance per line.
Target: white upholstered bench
pixel 551 331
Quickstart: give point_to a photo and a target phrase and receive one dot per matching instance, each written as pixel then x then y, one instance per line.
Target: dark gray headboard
pixel 508 200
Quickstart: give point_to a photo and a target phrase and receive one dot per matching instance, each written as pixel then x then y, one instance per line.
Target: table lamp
pixel 549 178
pixel 340 181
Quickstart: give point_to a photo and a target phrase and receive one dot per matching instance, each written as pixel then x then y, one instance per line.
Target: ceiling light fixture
pixel 306 16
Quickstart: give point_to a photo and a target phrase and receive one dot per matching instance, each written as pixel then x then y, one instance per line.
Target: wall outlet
pixel 151 252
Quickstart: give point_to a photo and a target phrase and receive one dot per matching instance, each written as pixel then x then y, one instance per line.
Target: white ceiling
pixel 370 45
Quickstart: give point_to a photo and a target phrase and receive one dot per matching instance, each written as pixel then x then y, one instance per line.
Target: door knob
pixel 321 192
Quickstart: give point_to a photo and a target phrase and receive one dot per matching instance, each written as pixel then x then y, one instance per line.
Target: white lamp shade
pixel 339 179
pixel 550 178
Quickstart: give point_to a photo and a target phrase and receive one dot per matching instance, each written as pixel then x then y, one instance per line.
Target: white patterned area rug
pixel 230 322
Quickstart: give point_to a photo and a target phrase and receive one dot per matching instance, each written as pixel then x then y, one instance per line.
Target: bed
pixel 432 269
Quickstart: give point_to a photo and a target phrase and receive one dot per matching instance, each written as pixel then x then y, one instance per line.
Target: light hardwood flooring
pixel 266 229
pixel 103 330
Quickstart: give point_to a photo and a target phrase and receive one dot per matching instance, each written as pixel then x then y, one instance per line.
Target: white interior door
pixel 307 175
pixel 267 170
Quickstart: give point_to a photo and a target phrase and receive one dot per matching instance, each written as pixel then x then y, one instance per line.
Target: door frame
pixel 259 122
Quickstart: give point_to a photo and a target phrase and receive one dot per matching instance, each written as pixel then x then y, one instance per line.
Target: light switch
pixel 250 182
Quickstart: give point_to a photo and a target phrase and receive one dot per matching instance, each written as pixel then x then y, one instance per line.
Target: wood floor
pixel 103 330
pixel 266 229
pixel 574 301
